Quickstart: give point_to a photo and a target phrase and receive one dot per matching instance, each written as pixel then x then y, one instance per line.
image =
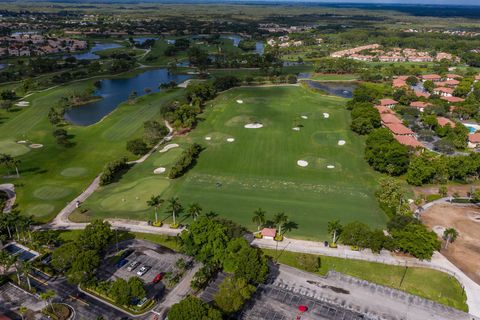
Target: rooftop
pixel 409 141
pixel 442 121
pixel 269 232
pixel 398 128
pixel 387 102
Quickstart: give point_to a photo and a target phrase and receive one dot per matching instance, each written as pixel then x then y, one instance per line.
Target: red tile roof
pixel 474 138
pixel 389 118
pixel 431 77
pixel 398 83
pixel 443 89
pixel 383 109
pixel 422 94
pixel 442 121
pixel 386 102
pixel 452 99
pixel 409 141
pixel 419 104
pixel 269 232
pixel 454 76
pixel 398 128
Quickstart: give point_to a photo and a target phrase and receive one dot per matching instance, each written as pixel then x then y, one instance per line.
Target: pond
pixel 116 91
pixel 339 89
pixel 259 46
pixel 142 40
pixel 90 55
pixel 3 66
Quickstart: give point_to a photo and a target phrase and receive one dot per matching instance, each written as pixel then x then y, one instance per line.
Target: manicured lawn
pixel 334 77
pixel 423 282
pixel 259 169
pixel 53 175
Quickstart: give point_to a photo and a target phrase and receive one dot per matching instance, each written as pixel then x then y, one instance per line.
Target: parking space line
pixel 79 300
pixel 38 280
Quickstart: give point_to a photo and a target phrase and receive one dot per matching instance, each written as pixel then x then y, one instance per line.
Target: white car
pixel 143 270
pixel 133 265
pixel 142 302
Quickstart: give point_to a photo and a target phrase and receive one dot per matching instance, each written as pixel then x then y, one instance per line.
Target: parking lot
pixel 12 298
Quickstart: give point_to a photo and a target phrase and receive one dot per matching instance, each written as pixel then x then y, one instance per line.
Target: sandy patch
pixel 22 141
pixel 296 129
pixel 159 170
pixel 330 166
pixel 326 115
pixel 474 216
pixel 22 104
pixel 304 117
pixel 36 146
pixel 341 142
pixel 240 101
pixel 439 230
pixel 208 138
pixel 302 163
pixel 230 139
pixel 168 147
pixel 254 126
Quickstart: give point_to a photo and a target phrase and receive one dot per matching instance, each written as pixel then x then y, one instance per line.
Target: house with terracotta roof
pixel 431 77
pixel 382 109
pixel 452 76
pixel 389 103
pixel 477 78
pixel 399 83
pixel 389 118
pixel 443 91
pixel 423 94
pixel 268 233
pixel 473 140
pixel 399 129
pixel 442 122
pixel 452 99
pixel 420 105
pixel 409 141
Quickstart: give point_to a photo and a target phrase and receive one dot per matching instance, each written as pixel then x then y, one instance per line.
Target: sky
pixel 437 2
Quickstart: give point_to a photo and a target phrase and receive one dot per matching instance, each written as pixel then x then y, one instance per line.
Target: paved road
pixel 9 189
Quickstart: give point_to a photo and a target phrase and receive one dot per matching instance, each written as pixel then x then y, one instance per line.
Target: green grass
pixel 423 282
pixel 259 169
pixel 53 175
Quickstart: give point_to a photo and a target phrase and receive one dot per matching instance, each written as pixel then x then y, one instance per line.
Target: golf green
pixel 258 168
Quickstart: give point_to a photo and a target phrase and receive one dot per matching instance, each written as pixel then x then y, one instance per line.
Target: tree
pixel 309 262
pixel 356 234
pixel 280 219
pixel 7 261
pixel 392 197
pixel 137 146
pixel 61 135
pixel 155 202
pixel 63 256
pixel 259 217
pixel 96 236
pixel 84 266
pixel 175 208
pixel 385 154
pixel 10 162
pixel 335 229
pixel 22 310
pixel 429 86
pixel 48 296
pixel 193 308
pixel 443 191
pixel 26 267
pixel 194 211
pixel 449 235
pixel 416 240
pixel 119 291
pixel 136 288
pixel 245 261
pixel 232 294
pixel 153 132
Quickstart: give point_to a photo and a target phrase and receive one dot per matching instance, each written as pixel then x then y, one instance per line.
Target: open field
pixel 333 77
pixel 464 252
pixel 235 178
pixel 426 283
pixel 53 175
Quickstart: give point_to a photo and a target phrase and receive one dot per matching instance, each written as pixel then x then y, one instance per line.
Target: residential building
pixel 389 103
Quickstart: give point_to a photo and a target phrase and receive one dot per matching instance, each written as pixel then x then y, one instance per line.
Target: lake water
pixel 2 66
pixel 90 55
pixel 259 46
pixel 142 40
pixel 116 91
pixel 340 89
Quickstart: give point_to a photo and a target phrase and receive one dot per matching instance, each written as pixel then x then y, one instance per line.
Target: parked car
pixel 121 263
pixel 142 302
pixel 143 270
pixel 133 265
pixel 157 278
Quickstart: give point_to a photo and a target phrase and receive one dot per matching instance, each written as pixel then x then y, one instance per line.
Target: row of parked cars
pixel 144 269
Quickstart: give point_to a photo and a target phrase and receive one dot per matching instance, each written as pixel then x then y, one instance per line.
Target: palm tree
pixel 48 296
pixel 6 261
pixel 26 267
pixel 155 202
pixel 280 219
pixel 334 228
pixel 10 162
pixel 194 211
pixel 174 207
pixel 449 235
pixel 259 217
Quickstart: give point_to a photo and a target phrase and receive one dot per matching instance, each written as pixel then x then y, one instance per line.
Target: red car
pixel 157 278
pixel 302 308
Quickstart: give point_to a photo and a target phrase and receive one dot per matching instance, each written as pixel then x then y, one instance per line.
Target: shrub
pixel 113 171
pixel 137 147
pixel 185 162
pixel 433 197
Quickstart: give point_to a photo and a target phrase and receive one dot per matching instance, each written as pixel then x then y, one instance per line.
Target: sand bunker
pixel 254 126
pixel 296 129
pixel 22 104
pixel 302 163
pixel 230 139
pixel 208 138
pixel 168 147
pixel 22 141
pixel 475 216
pixel 341 142
pixel 304 117
pixel 36 146
pixel 240 101
pixel 330 167
pixel 326 115
pixel 439 230
pixel 159 170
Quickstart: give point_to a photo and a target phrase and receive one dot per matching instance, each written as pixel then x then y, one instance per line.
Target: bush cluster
pixel 186 161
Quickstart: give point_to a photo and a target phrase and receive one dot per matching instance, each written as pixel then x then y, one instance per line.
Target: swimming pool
pixel 472 127
pixel 21 253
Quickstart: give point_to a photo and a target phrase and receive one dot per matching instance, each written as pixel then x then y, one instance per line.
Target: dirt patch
pixel 462 190
pixel 465 251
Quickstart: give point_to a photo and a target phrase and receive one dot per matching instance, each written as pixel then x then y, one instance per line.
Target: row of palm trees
pixel 10 162
pixel 16 226
pixel 279 219
pixel 174 207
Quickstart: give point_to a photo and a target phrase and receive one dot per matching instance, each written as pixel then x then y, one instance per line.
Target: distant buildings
pixel 26 45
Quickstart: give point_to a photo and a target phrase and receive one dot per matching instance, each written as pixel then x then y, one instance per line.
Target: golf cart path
pixel 9 189
pixel 61 220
